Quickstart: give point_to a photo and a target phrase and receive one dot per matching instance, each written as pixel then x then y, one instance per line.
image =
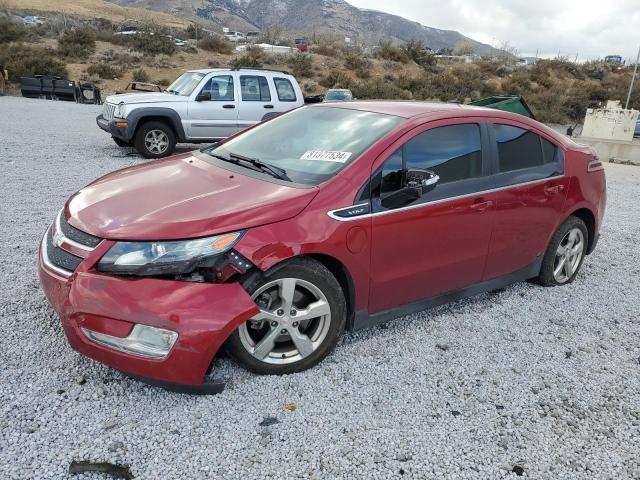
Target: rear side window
pixel 454 152
pixel 254 88
pixel 285 90
pixel 519 149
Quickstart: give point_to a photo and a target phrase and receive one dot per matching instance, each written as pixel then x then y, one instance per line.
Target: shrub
pixel 24 61
pixel 151 43
pixel 163 82
pixel 253 57
pixel 326 49
pixel 140 75
pixel 301 65
pixel 359 64
pixel 103 70
pixel 11 31
pixel 78 43
pixel 387 51
pixel 216 43
pixel 415 50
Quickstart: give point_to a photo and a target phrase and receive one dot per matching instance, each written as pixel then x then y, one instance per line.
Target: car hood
pixel 152 97
pixel 180 197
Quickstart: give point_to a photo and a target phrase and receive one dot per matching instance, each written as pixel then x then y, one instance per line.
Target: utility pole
pixel 633 80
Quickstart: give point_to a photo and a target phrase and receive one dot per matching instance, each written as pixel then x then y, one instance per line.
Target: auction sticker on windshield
pixel 326 156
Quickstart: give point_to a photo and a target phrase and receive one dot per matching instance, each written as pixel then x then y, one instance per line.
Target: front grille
pixel 59 257
pixel 108 111
pixel 76 235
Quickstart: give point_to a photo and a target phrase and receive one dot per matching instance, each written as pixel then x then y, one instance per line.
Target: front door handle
pixel 228 106
pixel 481 205
pixel 553 189
pixel 268 106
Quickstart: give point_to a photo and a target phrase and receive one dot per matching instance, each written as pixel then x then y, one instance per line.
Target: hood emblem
pixel 58 239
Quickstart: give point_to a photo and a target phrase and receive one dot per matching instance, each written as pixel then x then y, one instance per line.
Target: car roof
pixel 436 111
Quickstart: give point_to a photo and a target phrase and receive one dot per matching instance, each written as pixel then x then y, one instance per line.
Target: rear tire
pixel 155 140
pixel 302 314
pixel 565 254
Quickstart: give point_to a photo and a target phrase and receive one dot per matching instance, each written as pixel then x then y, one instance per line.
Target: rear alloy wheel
pixel 155 140
pixel 565 253
pixel 302 313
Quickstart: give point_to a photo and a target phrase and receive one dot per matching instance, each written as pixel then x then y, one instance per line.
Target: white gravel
pixel 543 379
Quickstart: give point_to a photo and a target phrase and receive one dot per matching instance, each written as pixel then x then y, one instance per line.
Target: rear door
pixel 531 190
pixel 256 99
pixel 217 116
pixel 438 243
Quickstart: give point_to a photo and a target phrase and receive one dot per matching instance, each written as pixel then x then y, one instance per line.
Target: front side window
pixel 220 88
pixel 285 90
pixel 254 88
pixel 312 144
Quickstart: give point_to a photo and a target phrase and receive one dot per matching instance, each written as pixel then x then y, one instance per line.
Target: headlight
pixel 120 110
pixel 165 258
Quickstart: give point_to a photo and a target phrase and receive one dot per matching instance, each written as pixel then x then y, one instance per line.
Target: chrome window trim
pixel 67 240
pixel 434 202
pixel 47 262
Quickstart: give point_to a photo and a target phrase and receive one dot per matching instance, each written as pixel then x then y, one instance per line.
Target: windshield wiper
pixel 277 172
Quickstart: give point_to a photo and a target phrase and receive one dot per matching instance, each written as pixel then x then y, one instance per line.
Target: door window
pixel 220 88
pixel 524 156
pixel 254 88
pixel 454 153
pixel 285 90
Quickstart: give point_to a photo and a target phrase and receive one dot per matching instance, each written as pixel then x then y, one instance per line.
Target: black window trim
pixel 233 84
pixel 275 86
pixel 523 176
pixel 240 77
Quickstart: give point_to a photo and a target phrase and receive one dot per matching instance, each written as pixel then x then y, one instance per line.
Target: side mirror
pixel 418 182
pixel 203 97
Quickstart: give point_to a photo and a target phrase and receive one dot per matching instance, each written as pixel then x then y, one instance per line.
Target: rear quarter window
pixel 285 90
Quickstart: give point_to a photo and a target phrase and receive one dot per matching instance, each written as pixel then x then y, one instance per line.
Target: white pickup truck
pixel 199 107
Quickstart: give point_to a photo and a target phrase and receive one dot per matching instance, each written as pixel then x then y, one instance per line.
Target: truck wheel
pixel 121 143
pixel 155 140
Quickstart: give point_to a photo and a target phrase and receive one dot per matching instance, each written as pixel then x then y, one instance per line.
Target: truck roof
pixel 206 71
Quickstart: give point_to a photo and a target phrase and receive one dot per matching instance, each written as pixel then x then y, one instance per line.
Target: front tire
pixel 155 140
pixel 302 314
pixel 565 254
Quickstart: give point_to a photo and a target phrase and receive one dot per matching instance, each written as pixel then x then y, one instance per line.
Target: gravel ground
pixel 538 382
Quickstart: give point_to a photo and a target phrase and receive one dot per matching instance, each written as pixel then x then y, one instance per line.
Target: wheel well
pixel 589 220
pixel 152 118
pixel 343 276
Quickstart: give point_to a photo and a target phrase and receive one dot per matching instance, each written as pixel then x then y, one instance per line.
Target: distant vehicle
pixel 180 43
pixel 637 131
pixel 338 95
pixel 201 106
pixel 33 20
pixel 127 31
pixel 140 87
pixel 302 44
pixel 234 37
pixel 252 35
pixel 613 60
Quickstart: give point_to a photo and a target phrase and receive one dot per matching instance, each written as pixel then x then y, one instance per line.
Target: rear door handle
pixel 481 205
pixel 228 106
pixel 268 106
pixel 553 189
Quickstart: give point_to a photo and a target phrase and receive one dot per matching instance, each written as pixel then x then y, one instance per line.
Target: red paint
pixel 391 259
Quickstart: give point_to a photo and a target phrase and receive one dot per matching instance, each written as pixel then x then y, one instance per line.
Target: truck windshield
pixel 185 84
pixel 310 144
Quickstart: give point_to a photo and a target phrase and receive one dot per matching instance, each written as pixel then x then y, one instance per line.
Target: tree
pixel 465 48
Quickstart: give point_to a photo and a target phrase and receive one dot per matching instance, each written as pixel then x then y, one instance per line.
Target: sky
pixel 588 28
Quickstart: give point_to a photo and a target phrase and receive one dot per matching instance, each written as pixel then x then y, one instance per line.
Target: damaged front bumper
pixel 202 315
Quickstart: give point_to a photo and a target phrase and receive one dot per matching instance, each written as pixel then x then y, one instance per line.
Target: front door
pixel 439 242
pixel 213 111
pixel 531 190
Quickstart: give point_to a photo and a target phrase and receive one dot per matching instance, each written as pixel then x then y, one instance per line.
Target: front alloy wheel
pixel 302 313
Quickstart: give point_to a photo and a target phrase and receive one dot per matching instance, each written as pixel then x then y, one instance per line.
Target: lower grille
pixel 60 258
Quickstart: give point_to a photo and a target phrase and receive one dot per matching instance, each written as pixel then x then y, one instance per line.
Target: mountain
pixel 308 16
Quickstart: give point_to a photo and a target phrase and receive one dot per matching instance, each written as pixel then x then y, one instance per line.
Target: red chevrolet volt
pixel 329 217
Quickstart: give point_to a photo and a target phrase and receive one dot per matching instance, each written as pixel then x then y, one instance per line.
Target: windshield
pixel 338 95
pixel 311 144
pixel 185 84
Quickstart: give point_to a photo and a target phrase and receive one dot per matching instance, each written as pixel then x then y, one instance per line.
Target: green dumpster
pixel 513 104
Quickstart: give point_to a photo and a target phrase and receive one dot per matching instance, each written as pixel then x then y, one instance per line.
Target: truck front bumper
pixel 203 316
pixel 119 128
